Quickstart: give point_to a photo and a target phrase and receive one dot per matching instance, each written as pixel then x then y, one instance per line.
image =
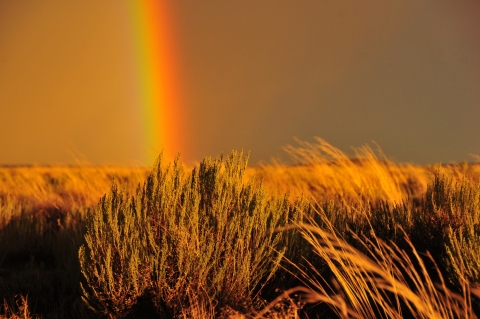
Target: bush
pixel 203 237
pixel 462 245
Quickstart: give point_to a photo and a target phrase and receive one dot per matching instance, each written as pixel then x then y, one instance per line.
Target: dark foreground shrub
pixel 200 237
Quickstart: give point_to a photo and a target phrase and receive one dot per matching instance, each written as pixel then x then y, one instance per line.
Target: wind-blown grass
pixel 378 218
pixel 384 282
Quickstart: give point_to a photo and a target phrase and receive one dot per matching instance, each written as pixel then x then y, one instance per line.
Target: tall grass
pixel 396 260
pixel 326 173
pixel 198 243
pixel 384 282
pixel 323 172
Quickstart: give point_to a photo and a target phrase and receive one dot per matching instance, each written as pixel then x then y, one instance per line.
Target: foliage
pixel 368 202
pixel 457 207
pixel 207 235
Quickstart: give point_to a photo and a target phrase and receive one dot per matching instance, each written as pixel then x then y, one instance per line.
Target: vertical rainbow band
pixel 156 77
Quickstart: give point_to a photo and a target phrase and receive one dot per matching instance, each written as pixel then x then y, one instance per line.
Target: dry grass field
pixel 327 236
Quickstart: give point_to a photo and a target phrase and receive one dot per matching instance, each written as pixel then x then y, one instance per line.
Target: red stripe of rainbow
pixel 156 77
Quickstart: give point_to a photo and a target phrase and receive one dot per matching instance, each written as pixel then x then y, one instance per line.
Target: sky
pixel 252 75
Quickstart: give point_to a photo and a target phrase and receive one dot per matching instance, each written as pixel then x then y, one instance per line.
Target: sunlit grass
pixel 382 282
pixel 325 173
pixel 365 247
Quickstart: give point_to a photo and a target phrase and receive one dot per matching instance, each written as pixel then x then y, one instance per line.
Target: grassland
pixel 326 235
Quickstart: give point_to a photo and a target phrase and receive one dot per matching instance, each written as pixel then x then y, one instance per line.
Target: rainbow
pixel 156 77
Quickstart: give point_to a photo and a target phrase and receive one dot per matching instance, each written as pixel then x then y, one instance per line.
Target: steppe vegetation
pixel 326 236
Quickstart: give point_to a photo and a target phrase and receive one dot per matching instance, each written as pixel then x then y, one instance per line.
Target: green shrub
pixel 463 237
pixel 206 236
pixel 391 222
pixel 448 225
pixel 111 259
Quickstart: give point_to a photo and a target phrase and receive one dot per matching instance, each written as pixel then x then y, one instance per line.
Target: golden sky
pixel 256 74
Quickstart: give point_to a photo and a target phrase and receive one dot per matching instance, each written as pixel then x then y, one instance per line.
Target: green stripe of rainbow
pixel 156 77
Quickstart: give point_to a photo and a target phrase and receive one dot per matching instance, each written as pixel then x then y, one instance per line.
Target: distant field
pixel 346 251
